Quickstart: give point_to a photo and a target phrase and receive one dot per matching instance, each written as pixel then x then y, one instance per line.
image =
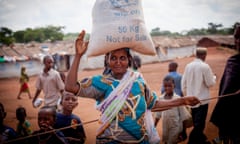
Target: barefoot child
pixel 74 134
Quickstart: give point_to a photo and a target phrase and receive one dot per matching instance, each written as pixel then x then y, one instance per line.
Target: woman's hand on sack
pixel 80 44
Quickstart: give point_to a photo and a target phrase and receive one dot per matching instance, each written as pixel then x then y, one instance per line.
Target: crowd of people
pixel 54 127
pixel 123 96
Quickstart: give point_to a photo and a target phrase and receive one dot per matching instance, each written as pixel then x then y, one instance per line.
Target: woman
pixel 24 83
pixel 122 97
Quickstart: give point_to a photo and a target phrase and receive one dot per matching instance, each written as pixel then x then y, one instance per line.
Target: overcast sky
pixel 75 15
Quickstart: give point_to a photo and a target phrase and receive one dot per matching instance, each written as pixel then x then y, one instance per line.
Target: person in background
pixel 49 80
pixel 173 118
pixel 223 115
pixel 237 36
pixel 106 70
pixel 23 126
pixel 137 62
pixel 196 80
pixel 172 71
pixel 46 134
pixel 6 133
pixel 24 87
pixel 63 76
pixel 74 131
pixel 122 112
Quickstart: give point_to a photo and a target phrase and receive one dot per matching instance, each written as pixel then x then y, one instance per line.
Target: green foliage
pixel 41 34
pixel 70 36
pixel 6 36
pixel 195 32
pixel 73 36
pixel 19 36
pixel 157 32
pixel 33 35
pixel 53 33
pixel 213 29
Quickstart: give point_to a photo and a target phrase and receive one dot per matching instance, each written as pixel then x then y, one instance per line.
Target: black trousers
pixel 199 116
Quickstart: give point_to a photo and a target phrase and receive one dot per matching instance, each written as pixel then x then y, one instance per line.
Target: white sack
pixel 118 24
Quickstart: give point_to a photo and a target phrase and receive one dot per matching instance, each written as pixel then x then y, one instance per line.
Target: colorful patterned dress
pixel 128 126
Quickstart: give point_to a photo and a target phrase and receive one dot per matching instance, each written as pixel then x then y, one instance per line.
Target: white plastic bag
pixel 118 24
pixel 153 135
pixel 38 102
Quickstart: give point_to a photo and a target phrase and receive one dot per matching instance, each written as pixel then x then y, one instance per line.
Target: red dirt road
pixel 153 73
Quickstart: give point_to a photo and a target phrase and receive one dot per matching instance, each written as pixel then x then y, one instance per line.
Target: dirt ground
pixel 153 73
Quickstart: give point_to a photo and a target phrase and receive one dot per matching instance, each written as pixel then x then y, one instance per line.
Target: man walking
pixel 196 80
pixel 50 82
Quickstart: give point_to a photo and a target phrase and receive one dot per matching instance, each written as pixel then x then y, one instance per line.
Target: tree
pixel 30 35
pixel 155 32
pixel 6 36
pixel 53 33
pixel 195 32
pixel 19 36
pixel 212 28
pixel 41 34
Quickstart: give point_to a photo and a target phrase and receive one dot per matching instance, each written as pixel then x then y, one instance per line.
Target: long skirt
pixel 24 87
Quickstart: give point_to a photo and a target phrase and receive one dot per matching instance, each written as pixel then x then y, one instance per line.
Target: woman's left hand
pixel 80 44
pixel 191 100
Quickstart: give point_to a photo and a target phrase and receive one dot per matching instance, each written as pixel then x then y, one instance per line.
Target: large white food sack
pixel 118 24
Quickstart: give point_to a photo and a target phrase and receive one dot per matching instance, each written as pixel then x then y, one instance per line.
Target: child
pixel 173 118
pixel 46 134
pixel 74 134
pixel 24 83
pixel 6 133
pixel 23 126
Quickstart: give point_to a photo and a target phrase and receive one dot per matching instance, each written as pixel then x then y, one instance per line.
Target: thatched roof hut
pixel 216 41
pixel 171 42
pixel 171 47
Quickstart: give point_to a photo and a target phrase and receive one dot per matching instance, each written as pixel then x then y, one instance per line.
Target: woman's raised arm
pixel 72 76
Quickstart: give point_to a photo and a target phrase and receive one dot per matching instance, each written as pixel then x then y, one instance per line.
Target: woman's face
pixel 118 62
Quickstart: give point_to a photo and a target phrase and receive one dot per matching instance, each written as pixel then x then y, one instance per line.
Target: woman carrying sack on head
pixel 122 96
